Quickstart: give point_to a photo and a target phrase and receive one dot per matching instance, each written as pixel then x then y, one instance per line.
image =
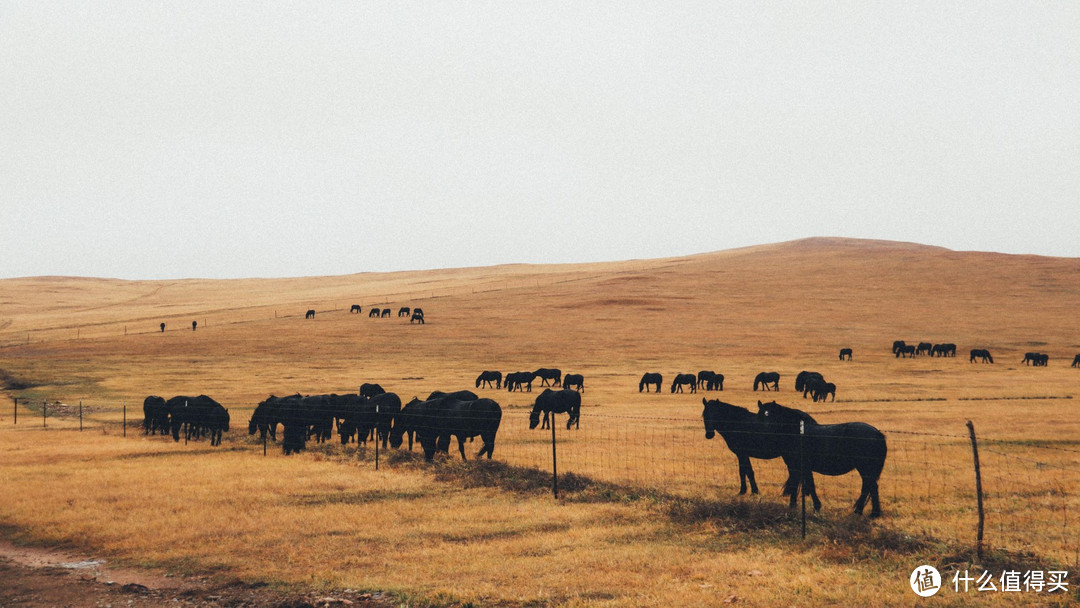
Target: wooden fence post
pixel 978 489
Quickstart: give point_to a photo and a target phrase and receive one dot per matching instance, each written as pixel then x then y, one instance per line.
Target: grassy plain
pixel 650 516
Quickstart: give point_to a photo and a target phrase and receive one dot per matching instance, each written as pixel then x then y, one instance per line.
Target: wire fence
pixel 928 486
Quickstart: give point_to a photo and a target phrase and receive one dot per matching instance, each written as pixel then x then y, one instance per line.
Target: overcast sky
pixel 215 139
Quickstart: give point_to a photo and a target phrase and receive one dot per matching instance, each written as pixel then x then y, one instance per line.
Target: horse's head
pixel 709 416
pixel 534 418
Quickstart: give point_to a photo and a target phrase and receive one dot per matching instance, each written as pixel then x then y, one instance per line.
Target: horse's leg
pixel 809 489
pixel 461 446
pixel 745 471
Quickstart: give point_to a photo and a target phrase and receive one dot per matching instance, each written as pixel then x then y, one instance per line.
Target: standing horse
pixel 574 380
pixel 711 380
pixel 747 438
pixel 487 377
pixel 981 354
pixel 566 401
pixel 403 311
pixel 845 353
pixel 310 314
pixel 648 379
pixel 803 378
pixel 681 379
pixel 354 309
pixel 549 375
pixel 1076 361
pixel 764 379
pixel 829 449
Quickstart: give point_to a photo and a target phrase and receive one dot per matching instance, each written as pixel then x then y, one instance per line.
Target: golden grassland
pixel 649 515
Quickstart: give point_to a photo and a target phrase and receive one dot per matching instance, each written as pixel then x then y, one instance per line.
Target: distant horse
pixel 566 401
pixel 905 351
pixel 683 379
pixel 1076 361
pixel 801 379
pixel 576 380
pixel 947 349
pixel 747 438
pixel 711 380
pixel 1036 359
pixel 403 311
pixel 435 421
pixel 487 377
pixel 418 311
pixel 369 389
pixel 553 375
pixel 465 395
pixel 516 380
pixel 310 314
pixel 923 348
pixel 194 324
pixel 829 449
pixel 385 313
pixel 355 309
pixel 163 327
pixel 764 379
pixel 374 312
pixel 982 354
pixel 845 353
pixel 897 345
pixel 649 379
pixel 417 317
pixel 822 389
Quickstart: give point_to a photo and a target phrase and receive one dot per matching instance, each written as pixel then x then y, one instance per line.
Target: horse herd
pixel 522 381
pixel 902 349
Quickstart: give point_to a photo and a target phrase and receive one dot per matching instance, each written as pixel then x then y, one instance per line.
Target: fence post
pixel 16 410
pixel 124 404
pixel 978 488
pixel 80 415
pixel 44 413
pixel 554 462
pixel 376 436
pixel 802 434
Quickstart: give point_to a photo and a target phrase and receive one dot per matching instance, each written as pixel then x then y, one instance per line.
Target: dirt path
pixel 38 577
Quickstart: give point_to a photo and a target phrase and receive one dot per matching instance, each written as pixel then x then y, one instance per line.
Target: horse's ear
pixel 759 405
pixel 704 402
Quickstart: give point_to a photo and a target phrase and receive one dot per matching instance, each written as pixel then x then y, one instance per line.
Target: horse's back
pixel 838 448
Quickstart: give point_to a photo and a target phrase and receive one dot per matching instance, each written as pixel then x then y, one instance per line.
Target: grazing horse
pixel 553 375
pixel 923 348
pixel 374 312
pixel 821 389
pixel 897 345
pixel 355 309
pixel 905 351
pixel 418 311
pixel 764 379
pixel 829 449
pixel 566 401
pixel 417 317
pixel 403 311
pixel 803 377
pixel 947 349
pixel 155 416
pixel 1036 359
pixel 515 380
pixel 982 354
pixel 435 421
pixel 574 380
pixel 681 379
pixel 747 438
pixel 1076 361
pixel 711 380
pixel 310 314
pixel 648 379
pixel 385 313
pixel 845 353
pixel 487 377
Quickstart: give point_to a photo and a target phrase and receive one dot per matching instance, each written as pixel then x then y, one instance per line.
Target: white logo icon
pixel 925 581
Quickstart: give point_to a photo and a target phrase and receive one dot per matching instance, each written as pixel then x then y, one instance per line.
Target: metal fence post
pixel 554 462
pixel 802 465
pixel 978 489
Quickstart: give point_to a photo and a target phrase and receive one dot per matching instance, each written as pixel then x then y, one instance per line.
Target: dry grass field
pixel 648 515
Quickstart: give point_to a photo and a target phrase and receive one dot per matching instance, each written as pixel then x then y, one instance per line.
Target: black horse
pixel 905 351
pixel 711 380
pixel 557 402
pixel 487 377
pixel 803 377
pixel 764 379
pixel 369 389
pixel 747 438
pixel 1076 361
pixel 163 328
pixel 403 311
pixel 417 317
pixel 549 375
pixel 982 354
pixel 822 389
pixel 684 379
pixel 355 309
pixel 829 449
pixel 924 348
pixel 897 345
pixel 845 353
pixel 155 416
pixel 576 380
pixel 374 312
pixel 435 421
pixel 649 379
pixel 310 314
pixel 197 416
pixel 385 313
pixel 517 380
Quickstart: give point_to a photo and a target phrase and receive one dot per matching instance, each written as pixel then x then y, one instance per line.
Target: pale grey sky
pixel 234 139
